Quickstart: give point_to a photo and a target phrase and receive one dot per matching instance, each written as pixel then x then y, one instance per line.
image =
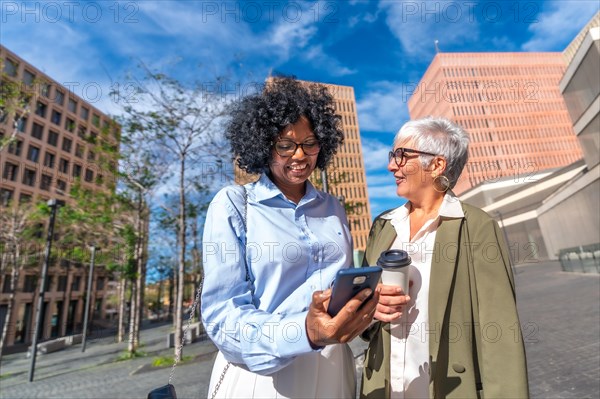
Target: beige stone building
pixel 61 140
pixel 346 176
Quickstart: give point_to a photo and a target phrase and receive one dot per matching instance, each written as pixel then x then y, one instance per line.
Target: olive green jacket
pixel 475 343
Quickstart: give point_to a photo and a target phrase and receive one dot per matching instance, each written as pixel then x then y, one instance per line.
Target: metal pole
pixel 40 302
pixel 324 180
pixel 87 299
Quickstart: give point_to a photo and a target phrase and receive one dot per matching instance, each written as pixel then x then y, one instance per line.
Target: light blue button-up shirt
pixel 291 251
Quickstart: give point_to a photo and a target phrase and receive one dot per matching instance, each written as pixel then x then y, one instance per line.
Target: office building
pixel 60 139
pixel 546 212
pixel 510 104
pixel 575 205
pixel 346 176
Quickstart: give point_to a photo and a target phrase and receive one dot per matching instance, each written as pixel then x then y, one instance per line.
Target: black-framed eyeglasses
pixel 399 155
pixel 287 148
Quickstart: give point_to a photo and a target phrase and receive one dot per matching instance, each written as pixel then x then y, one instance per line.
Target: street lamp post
pixel 87 298
pixel 53 204
pixel 324 180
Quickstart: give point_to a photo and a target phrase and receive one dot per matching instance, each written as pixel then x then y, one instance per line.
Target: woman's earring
pixel 441 183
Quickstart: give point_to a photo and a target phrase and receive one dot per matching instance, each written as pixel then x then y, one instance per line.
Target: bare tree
pixel 181 123
pixel 139 177
pixel 17 227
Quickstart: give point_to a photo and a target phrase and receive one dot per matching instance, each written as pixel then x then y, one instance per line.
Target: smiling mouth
pixel 298 167
pixel 400 179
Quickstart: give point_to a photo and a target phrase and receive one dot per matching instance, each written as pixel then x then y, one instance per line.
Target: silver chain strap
pixel 193 310
pixel 221 378
pixel 186 329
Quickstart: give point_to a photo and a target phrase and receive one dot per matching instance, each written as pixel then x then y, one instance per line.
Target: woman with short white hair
pixel 456 333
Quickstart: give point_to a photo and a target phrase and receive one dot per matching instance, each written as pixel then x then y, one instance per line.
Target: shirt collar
pixel 265 189
pixel 450 208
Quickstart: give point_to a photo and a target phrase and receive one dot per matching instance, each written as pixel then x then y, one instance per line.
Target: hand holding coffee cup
pixel 395 264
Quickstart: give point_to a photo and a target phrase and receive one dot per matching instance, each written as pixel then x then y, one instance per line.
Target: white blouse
pixel 409 360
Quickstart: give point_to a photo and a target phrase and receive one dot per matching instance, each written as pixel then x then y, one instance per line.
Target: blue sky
pixel 381 48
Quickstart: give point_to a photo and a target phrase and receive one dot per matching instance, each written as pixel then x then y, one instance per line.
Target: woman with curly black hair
pixel 271 249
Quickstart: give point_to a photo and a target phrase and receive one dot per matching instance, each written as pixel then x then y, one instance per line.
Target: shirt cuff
pixel 292 339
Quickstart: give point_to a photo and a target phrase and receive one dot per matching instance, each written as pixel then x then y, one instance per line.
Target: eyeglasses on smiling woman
pixel 399 155
pixel 287 148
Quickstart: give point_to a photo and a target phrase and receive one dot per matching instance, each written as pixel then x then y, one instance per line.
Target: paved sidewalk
pixel 560 316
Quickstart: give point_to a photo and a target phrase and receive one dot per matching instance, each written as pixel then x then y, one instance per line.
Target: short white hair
pixel 441 136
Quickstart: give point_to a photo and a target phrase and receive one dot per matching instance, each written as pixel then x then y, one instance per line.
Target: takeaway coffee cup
pixel 395 264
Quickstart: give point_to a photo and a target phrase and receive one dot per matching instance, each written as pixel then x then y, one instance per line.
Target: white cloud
pixel 375 154
pixel 559 24
pixel 418 24
pixel 384 109
pixel 317 55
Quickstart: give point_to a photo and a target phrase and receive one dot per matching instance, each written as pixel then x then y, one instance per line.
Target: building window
pixel 52 138
pixel 5 196
pixel 61 185
pixel 100 284
pixel 29 177
pixel 99 180
pixel 59 97
pixel 46 182
pixel 79 150
pixel 77 170
pixel 62 284
pixel 10 67
pixel 28 77
pixel 96 120
pixel 40 109
pixel 30 284
pixel 21 124
pixel 93 137
pixel 81 131
pixel 49 159
pixel 56 117
pixel 24 198
pixel 45 89
pixel 89 175
pixel 91 156
pixel 66 144
pixel 63 165
pixel 84 113
pixel 70 125
pixel 33 153
pixel 37 131
pixel 15 147
pixel 11 171
pixel 76 283
pixel 72 106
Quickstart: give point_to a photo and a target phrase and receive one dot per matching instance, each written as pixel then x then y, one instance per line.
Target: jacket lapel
pixel 443 266
pixel 384 241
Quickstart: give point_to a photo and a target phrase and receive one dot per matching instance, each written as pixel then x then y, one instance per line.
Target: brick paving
pixel 560 315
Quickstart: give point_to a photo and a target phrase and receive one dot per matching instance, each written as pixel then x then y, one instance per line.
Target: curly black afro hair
pixel 258 119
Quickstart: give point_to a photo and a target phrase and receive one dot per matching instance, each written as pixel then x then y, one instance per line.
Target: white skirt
pixel 329 373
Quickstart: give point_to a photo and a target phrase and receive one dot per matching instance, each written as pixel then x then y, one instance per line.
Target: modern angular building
pixel 535 137
pixel 61 140
pixel 346 176
pixel 511 105
pixel 575 206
